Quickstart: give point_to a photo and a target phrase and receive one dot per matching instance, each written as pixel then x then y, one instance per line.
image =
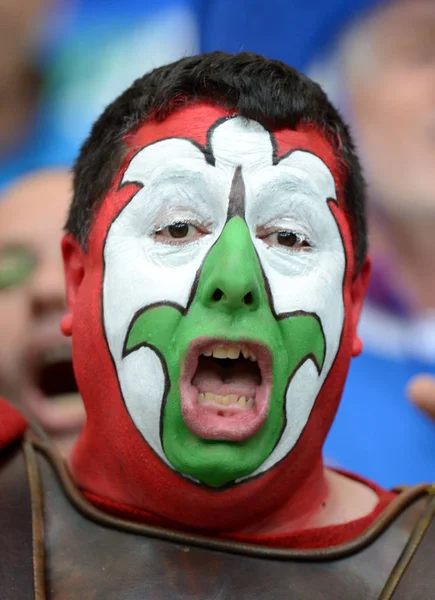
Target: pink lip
pixel 216 422
pixel 56 418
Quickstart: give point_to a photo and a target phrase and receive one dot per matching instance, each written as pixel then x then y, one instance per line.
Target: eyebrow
pixel 292 183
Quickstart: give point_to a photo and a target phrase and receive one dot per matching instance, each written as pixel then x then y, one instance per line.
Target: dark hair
pixel 257 88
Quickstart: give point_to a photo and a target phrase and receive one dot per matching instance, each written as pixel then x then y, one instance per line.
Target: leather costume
pixel 57 545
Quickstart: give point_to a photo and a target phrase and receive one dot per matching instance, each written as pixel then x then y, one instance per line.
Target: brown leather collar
pixel 36 503
pixel 403 500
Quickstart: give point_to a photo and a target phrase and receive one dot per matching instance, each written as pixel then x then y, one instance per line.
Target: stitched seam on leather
pixel 409 550
pixel 37 521
pixel 337 552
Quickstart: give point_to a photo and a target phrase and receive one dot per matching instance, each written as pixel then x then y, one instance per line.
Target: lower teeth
pixel 231 399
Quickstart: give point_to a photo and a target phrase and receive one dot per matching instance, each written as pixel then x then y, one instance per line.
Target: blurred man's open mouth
pixel 54 373
pixel 225 389
pixel 54 399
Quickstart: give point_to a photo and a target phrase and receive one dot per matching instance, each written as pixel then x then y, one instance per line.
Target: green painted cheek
pixel 154 327
pixel 231 266
pixel 16 266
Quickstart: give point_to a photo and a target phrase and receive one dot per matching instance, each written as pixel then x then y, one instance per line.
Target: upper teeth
pixel 233 352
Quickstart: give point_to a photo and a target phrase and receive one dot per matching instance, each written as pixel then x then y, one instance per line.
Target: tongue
pixel 208 378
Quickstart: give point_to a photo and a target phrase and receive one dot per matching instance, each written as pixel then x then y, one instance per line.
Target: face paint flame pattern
pixel 140 272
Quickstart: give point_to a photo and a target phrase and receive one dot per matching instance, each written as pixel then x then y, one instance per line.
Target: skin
pixel 32 213
pixel 421 391
pixel 390 78
pixel 161 326
pixel 399 89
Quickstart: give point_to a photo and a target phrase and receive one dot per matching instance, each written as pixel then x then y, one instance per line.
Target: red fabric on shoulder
pixel 307 539
pixel 12 424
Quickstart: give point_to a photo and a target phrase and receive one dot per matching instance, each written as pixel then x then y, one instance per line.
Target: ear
pixel 74 269
pixel 358 293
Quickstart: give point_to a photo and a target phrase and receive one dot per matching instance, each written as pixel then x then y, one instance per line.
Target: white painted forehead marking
pixel 161 156
pixel 241 142
pixel 310 170
pixel 234 142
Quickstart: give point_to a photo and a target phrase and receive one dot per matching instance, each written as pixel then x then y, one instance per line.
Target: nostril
pixel 217 295
pixel 248 299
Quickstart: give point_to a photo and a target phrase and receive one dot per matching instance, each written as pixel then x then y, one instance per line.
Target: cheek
pixel 87 333
pixel 346 285
pixel 347 338
pixel 15 326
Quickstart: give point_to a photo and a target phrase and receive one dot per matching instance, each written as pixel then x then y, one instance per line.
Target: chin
pixel 217 465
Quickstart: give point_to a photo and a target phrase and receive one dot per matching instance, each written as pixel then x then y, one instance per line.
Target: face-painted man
pixel 215 260
pixel 222 293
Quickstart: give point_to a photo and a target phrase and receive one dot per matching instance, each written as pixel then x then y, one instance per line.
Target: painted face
pixel 223 259
pixel 35 360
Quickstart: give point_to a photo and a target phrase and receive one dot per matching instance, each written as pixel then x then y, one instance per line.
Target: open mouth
pixel 225 389
pixel 52 396
pixel 54 375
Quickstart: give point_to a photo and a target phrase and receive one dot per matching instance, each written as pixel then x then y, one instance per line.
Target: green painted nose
pixel 231 278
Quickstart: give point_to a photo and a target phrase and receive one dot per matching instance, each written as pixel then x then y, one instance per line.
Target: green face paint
pixel 16 266
pixel 231 266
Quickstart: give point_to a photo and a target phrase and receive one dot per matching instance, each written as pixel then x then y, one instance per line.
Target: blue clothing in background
pixel 293 31
pixel 377 432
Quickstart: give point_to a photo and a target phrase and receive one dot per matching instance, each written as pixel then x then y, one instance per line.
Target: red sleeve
pixel 12 424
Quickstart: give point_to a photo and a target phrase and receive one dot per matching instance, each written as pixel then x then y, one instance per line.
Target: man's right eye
pixel 180 232
pixel 16 266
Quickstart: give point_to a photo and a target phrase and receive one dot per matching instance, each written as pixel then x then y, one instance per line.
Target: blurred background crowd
pixel 63 61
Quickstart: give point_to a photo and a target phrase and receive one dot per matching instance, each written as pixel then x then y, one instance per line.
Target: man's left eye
pixel 286 238
pixel 180 232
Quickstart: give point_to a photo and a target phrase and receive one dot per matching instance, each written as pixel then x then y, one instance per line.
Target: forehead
pixel 35 209
pixel 197 122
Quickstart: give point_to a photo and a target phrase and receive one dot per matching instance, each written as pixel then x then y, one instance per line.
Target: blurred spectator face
pixel 390 69
pixel 35 359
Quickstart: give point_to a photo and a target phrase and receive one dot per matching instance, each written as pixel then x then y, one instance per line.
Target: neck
pixel 327 498
pixel 300 509
pixel 412 241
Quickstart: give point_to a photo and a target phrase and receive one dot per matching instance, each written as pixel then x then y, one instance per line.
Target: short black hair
pixel 256 87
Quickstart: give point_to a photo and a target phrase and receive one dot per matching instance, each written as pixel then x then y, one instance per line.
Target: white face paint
pixel 178 184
